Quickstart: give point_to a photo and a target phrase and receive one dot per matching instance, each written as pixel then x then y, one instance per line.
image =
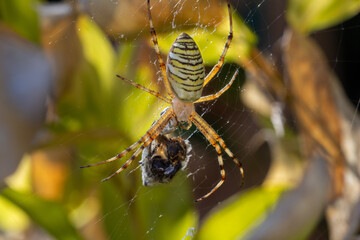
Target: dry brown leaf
pixel 312 100
pixel 128 18
pixel 50 169
pixel 327 123
pixel 61 42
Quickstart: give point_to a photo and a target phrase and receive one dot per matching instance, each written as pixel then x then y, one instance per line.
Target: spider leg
pixel 213 142
pixel 217 67
pixel 203 126
pixel 218 94
pixel 157 50
pixel 151 138
pixel 154 129
pixel 156 94
pixel 213 133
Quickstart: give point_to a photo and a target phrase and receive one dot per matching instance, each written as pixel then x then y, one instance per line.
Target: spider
pixel 184 79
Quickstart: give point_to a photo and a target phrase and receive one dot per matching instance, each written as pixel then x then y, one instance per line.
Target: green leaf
pixel 20 15
pixel 211 41
pixel 89 101
pixel 97 98
pixel 236 218
pixel 140 109
pixel 307 15
pixel 172 205
pixel 50 215
pixel 12 218
pixel 120 219
pixel 132 211
pixel 97 50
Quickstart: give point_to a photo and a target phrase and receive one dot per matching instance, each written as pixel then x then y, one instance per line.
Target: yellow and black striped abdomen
pixel 185 69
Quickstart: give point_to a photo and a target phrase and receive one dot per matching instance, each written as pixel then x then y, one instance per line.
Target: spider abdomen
pixel 185 69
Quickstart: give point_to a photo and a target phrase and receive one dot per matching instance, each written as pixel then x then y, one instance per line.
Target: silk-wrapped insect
pixel 163 158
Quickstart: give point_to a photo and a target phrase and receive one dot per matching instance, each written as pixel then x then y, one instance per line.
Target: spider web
pixel 227 115
pixel 228 118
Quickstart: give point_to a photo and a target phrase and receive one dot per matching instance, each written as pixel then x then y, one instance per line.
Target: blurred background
pixel 291 118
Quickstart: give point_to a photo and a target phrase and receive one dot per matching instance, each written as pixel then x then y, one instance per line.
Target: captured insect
pixel 163 158
pixel 184 80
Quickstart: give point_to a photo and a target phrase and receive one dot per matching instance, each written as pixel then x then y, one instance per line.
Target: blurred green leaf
pixel 236 218
pixel 90 101
pixel 97 50
pixel 12 218
pixel 211 41
pixel 132 211
pixel 97 98
pixel 140 109
pixel 20 15
pixel 168 209
pixel 307 15
pixel 120 218
pixel 50 215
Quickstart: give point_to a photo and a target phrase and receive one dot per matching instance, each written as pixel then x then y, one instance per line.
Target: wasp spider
pixel 184 79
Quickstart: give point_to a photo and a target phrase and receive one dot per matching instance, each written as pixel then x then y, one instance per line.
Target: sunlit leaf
pixel 20 15
pixel 50 215
pixel 98 97
pixel 98 50
pixel 308 15
pixel 234 219
pixel 12 218
pixel 185 226
pixel 211 41
pixel 21 178
pixel 140 108
pixel 88 102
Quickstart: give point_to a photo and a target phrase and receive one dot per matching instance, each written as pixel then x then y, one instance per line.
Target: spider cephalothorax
pixel 184 79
